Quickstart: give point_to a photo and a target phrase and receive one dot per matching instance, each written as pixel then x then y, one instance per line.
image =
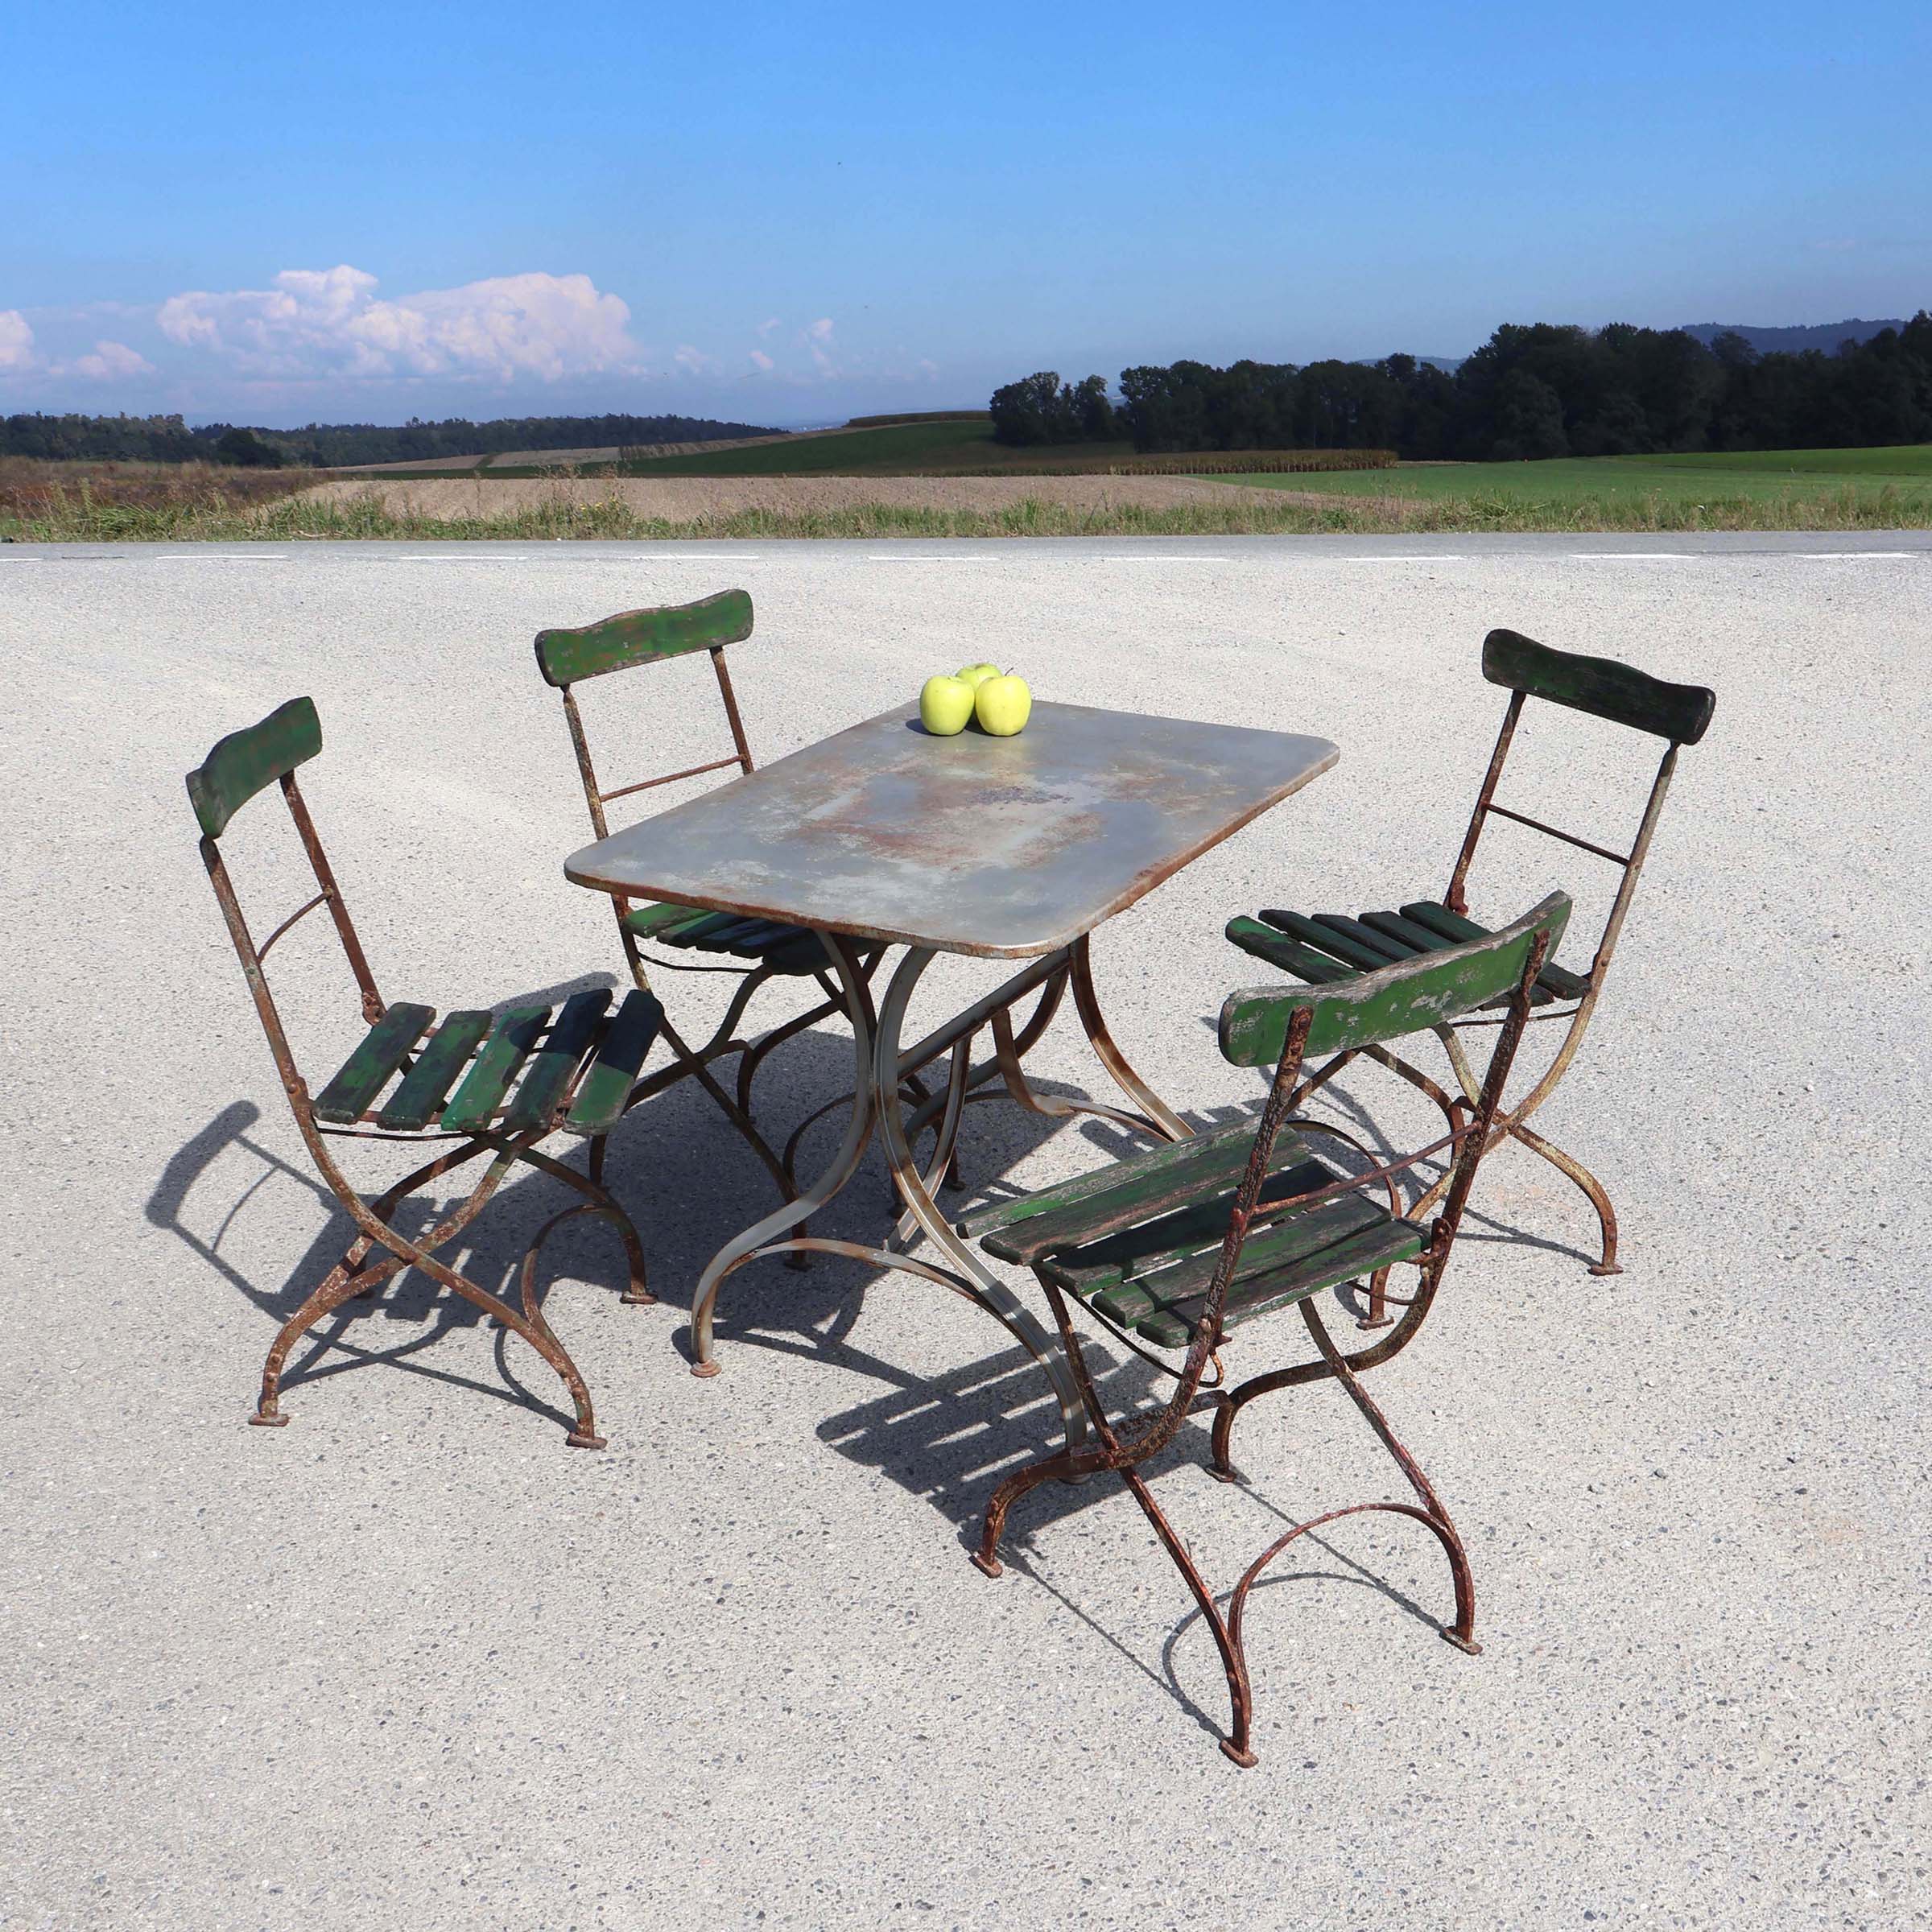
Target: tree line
pixel 325 445
pixel 1538 390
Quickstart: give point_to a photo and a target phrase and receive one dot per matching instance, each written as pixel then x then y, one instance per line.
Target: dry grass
pixel 49 503
pixel 100 503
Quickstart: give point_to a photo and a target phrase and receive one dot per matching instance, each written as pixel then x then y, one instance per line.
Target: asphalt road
pixel 409 1660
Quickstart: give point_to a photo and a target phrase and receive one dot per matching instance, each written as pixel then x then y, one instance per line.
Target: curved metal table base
pixel 883 1070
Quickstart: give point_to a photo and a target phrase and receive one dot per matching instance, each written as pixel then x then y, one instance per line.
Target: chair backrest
pixel 1678 713
pixel 1373 1008
pixel 238 767
pixel 1288 1025
pixel 637 638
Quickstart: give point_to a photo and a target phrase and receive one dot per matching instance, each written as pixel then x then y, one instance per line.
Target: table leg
pixel 971 1277
pixel 753 1241
pixel 1161 1116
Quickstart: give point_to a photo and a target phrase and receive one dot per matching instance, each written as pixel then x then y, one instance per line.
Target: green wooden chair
pixel 1178 1250
pixel 1330 948
pixel 479 1084
pixel 758 950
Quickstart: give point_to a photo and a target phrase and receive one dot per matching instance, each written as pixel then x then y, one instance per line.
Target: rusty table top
pixel 1001 847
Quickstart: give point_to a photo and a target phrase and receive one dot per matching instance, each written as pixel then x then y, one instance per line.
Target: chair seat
pixel 514 1071
pixel 786 949
pixel 1331 946
pixel 1139 1241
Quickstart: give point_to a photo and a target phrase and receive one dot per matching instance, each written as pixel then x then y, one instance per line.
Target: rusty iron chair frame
pixel 239 767
pixel 1380 1006
pixel 1679 713
pixel 633 639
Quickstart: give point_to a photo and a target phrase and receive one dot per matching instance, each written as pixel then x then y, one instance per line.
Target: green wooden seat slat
pixel 511 1040
pixel 548 1076
pixel 1390 950
pixel 1290 956
pixel 1558 982
pixel 1325 939
pixel 804 954
pixel 1127 1251
pixel 1172 1243
pixel 366 1071
pixel 1167 1317
pixel 613 1067
pixel 1406 932
pixel 1139 1188
pixel 705 928
pixel 423 1089
pixel 1424 990
pixel 770 936
pixel 658 920
pixel 728 939
pixel 1201 1153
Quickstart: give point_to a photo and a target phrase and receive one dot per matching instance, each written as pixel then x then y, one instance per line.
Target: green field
pixel 928 449
pixel 1757 475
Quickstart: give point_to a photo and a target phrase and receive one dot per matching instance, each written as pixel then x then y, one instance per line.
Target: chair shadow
pixel 689 1182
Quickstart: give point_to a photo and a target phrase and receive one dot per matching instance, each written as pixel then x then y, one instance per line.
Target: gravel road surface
pixel 411 1662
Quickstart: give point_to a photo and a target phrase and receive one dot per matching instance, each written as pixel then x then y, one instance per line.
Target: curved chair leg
pixel 356 1275
pixel 1240 1693
pixel 584 1435
pixel 636 1291
pixel 1569 1165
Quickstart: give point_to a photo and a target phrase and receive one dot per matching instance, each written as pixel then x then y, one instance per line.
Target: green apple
pixel 976 675
pixel 945 705
pixel 1002 705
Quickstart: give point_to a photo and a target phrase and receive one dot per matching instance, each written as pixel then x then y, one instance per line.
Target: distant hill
pixel 1826 335
pixel 168 439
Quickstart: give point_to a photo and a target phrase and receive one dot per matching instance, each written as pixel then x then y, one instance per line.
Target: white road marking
pixel 190 557
pixel 1342 562
pixel 1834 556
pixel 1187 559
pixel 1640 556
pixel 970 557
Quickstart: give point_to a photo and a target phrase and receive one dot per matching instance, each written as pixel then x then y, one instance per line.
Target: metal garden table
pixel 999 848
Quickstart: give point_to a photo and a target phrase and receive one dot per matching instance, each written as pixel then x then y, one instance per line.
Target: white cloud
pixel 16 341
pixel 768 325
pixel 316 322
pixel 694 361
pixel 112 359
pixel 820 331
pixel 759 359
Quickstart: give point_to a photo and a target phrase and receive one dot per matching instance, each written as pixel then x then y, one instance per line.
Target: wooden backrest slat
pixel 643 636
pixel 1600 686
pixel 245 761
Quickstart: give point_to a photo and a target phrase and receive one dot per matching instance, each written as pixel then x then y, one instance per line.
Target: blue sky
pixel 786 214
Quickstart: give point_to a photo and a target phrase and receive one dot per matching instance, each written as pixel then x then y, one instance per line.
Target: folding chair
pixel 1330 948
pixel 1179 1248
pixel 518 1076
pixel 757 950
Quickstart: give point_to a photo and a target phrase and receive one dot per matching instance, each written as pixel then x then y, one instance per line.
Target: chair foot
pixel 1467 1645
pixel 268 1422
pixel 1606 1268
pixel 1235 1754
pixel 1230 1475
pixel 634 1297
pixel 1375 1321
pixel 704 1371
pixel 799 1260
pixel 988 1565
pixel 578 1439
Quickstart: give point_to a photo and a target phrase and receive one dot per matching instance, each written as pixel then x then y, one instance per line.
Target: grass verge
pixel 79 515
